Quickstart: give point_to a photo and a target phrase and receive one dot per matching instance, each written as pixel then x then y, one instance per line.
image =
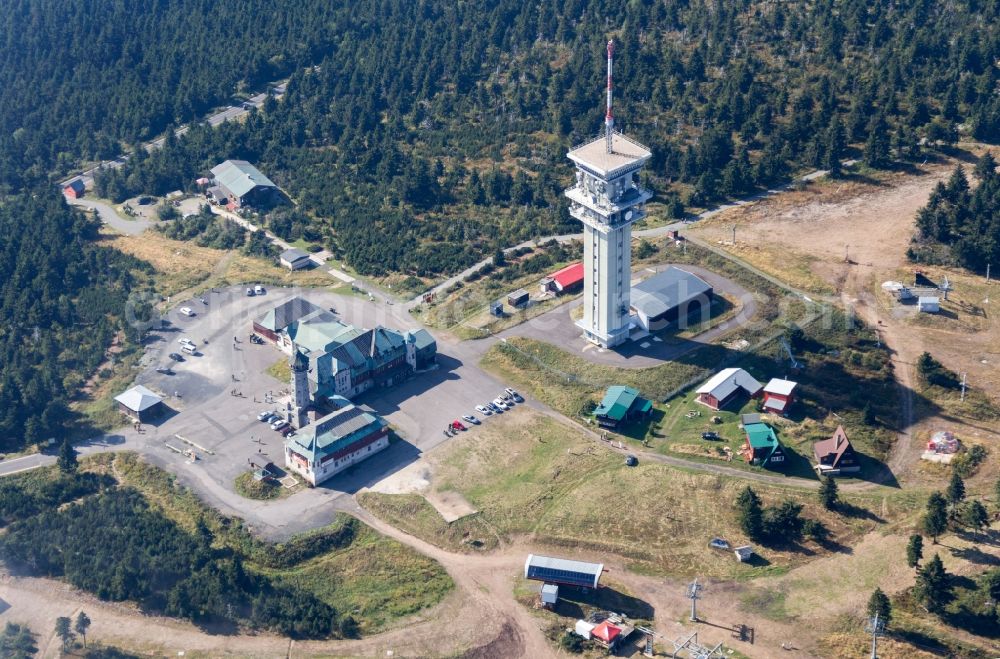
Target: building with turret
pixel 608 199
pixel 345 360
pixel 335 442
pixel 301 400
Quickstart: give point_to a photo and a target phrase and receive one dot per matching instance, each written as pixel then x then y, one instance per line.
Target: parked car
pixel 499 402
pixel 631 460
pixel 485 411
pixel 279 424
pixel 176 357
pixel 471 419
pixel 250 292
pixel 259 290
pixel 189 348
pixel 288 431
pixel 493 406
pixel 265 415
pixel 458 425
pixel 165 370
pixel 187 311
pixel 184 341
pixel 511 392
pixel 710 435
pixel 271 418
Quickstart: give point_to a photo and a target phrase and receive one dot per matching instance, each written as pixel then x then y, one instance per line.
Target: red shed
pixel 75 189
pixel 569 278
pixel 779 395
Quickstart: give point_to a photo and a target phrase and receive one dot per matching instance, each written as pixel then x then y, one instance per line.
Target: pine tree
pixel 879 604
pixel 750 513
pixel 82 625
pixel 933 585
pixel 915 550
pixel 67 458
pixel 828 493
pixel 65 632
pixel 936 518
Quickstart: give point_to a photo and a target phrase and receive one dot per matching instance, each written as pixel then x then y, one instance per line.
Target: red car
pixel 457 425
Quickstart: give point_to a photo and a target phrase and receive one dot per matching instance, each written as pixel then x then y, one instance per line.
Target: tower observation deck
pixel 607 199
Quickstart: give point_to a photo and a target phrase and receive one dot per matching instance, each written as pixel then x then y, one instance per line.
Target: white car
pixel 471 419
pixel 511 392
pixel 279 424
pixel 187 311
pixel 499 402
pixel 485 411
pixel 258 289
pixel 185 342
pixel 264 416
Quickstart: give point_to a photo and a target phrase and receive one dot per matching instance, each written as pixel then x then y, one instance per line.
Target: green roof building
pixel 761 446
pixel 335 442
pixel 620 404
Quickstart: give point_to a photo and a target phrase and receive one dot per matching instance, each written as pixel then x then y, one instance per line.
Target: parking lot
pixel 216 395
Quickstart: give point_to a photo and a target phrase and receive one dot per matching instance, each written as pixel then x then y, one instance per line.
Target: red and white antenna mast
pixel 609 120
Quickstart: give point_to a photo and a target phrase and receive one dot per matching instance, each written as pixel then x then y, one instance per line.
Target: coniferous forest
pixel 418 137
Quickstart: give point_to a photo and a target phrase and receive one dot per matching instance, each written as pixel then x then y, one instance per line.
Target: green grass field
pixel 530 475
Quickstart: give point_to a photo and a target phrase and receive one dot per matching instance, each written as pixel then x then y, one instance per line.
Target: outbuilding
pixel 779 395
pixel 518 298
pixel 140 404
pixel 669 296
pixel 563 571
pixel 294 259
pixel 75 189
pixel 550 594
pixel 723 387
pixel 566 280
pixel 929 304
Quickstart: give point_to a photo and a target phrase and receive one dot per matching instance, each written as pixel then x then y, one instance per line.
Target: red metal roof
pixel 569 276
pixel 606 632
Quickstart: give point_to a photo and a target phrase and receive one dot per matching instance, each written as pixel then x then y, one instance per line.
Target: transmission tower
pixel 876 628
pixel 694 594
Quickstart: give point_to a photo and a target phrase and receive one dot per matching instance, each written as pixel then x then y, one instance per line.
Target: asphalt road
pixel 108 215
pixel 557 327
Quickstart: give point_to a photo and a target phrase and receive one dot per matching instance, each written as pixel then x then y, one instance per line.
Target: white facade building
pixel 607 199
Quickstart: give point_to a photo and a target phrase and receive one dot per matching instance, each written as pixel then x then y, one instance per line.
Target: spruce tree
pixel 67 458
pixel 750 513
pixel 933 585
pixel 915 550
pixel 974 514
pixel 956 490
pixel 879 604
pixel 828 493
pixel 936 518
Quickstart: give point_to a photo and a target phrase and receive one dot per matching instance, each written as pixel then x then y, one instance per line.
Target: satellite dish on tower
pixel 628 215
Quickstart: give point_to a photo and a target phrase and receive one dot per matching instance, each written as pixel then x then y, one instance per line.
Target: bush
pixel 570 642
pixel 966 463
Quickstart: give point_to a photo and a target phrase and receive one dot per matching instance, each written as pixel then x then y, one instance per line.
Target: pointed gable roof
pixel 829 451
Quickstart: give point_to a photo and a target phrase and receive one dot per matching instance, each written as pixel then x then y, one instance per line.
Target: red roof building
pixel 569 278
pixel 75 189
pixel 606 633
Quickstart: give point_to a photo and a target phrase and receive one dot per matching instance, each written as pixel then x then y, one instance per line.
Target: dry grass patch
pixel 179 265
